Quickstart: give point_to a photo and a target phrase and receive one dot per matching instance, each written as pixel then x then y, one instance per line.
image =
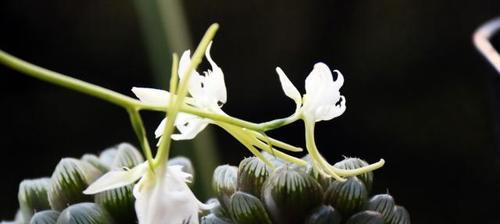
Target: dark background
pixel 418 94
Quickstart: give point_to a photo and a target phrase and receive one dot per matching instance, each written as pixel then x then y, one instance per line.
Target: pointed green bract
pixel 289 195
pixel 248 209
pixel 252 173
pixel 33 196
pixel 84 213
pixel 325 214
pixel 348 196
pixel 366 217
pixel 224 183
pixel 119 202
pixel 45 217
pixel 69 179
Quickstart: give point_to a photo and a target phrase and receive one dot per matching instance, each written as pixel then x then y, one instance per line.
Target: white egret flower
pixel 162 197
pixel 322 100
pixel 207 91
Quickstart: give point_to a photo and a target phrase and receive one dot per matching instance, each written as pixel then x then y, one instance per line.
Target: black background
pixel 418 94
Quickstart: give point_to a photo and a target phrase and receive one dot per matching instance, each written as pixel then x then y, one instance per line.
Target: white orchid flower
pixel 322 100
pixel 162 197
pixel 207 91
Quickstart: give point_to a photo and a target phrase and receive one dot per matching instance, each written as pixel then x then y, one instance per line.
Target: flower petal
pixel 215 79
pixel 156 97
pixel 288 87
pixel 117 178
pixel 161 127
pixel 189 126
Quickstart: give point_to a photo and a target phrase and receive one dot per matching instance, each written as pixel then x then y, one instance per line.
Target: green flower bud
pixel 354 163
pixel 348 196
pixel 248 209
pixel 311 171
pixel 84 213
pixel 401 216
pixel 69 179
pixel 224 184
pixel 289 195
pixel 119 202
pixel 45 217
pixel 219 211
pixel 325 214
pixel 96 162
pixel 33 197
pixel 252 173
pixel 366 217
pixel 384 204
pixel 276 161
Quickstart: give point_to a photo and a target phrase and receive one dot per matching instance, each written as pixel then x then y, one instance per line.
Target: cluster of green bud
pixel 255 193
pixel 59 199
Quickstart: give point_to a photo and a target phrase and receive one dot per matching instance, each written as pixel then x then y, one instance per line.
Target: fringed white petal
pixel 189 126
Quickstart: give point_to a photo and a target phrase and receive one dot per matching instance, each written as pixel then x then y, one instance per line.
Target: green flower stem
pixel 323 164
pixel 177 102
pixel 67 82
pixel 137 124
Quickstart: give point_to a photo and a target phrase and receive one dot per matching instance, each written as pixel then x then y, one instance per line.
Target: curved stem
pixel 67 82
pixel 138 126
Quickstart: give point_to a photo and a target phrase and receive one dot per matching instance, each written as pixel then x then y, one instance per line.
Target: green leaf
pixel 289 195
pixel 69 179
pixel 84 213
pixel 354 163
pixel 126 156
pixel 248 209
pixel 325 214
pixel 45 217
pixel 366 217
pixel 119 202
pixel 33 197
pixel 400 216
pixel 96 162
pixel 384 204
pixel 348 196
pixel 212 219
pixel 252 173
pixel 224 184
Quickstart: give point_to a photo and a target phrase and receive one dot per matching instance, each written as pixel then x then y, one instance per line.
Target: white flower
pixel 322 100
pixel 162 197
pixel 207 91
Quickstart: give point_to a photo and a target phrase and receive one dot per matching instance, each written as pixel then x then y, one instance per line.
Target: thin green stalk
pixel 138 126
pixel 177 102
pixel 67 82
